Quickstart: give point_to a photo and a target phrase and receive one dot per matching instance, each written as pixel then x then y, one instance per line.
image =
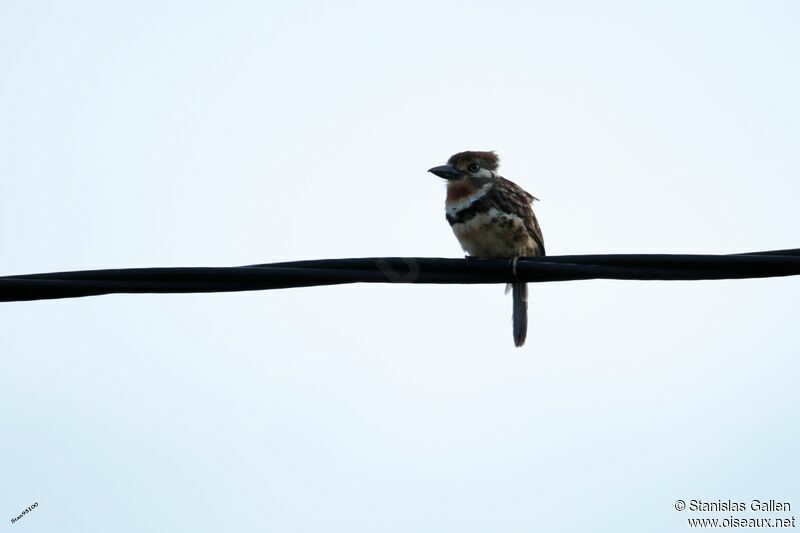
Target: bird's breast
pixel 493 234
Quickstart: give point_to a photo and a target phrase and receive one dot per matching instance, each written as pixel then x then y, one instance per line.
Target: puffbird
pixel 492 218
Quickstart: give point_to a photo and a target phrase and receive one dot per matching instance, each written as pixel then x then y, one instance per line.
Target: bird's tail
pixel 519 292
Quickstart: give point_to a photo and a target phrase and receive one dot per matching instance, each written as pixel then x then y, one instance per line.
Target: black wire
pixel 398 270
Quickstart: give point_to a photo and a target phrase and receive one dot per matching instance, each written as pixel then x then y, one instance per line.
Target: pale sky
pixel 220 134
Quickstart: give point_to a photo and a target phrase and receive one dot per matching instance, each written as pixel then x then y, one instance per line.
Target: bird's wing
pixel 509 197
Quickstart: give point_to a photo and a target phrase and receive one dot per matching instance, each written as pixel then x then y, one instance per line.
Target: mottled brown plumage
pixel 509 197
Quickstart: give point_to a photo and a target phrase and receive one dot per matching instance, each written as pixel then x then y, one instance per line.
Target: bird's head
pixel 468 164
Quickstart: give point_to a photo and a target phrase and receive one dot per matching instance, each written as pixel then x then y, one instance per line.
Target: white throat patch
pixel 454 207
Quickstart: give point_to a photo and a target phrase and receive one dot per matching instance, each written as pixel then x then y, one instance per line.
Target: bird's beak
pixel 448 172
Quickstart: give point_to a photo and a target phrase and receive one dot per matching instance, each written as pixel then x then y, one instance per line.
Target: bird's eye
pixel 473 167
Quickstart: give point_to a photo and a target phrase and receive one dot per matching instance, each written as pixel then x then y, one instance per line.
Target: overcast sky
pixel 219 134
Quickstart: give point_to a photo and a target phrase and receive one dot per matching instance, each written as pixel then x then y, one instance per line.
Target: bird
pixel 492 218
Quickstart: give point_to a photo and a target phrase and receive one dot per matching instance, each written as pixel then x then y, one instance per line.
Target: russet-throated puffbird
pixel 492 218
